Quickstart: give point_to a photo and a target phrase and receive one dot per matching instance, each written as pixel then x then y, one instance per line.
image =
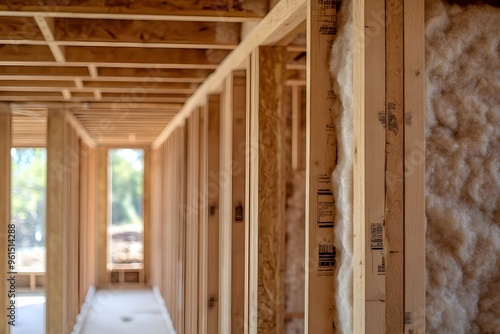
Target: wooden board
pixel 374 166
pixel 272 190
pixel 203 208
pixel 320 162
pixel 101 217
pixel 213 105
pixel 226 217
pixel 147 214
pixel 191 208
pixel 5 193
pixel 238 229
pixel 394 195
pixel 56 229
pixel 415 153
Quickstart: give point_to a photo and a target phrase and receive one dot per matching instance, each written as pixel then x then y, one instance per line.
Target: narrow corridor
pixel 126 312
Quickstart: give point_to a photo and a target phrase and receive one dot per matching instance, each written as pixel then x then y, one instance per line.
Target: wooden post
pixel 225 184
pixel 238 199
pixel 101 218
pixel 320 162
pixel 372 164
pixel 296 127
pixel 267 211
pixel 394 196
pixel 192 229
pixel 213 219
pixel 5 192
pixel 56 229
pixel 203 264
pixel 414 140
pixel 147 213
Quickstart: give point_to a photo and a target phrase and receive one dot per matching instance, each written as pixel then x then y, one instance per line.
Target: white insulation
pixel 341 70
pixel 463 168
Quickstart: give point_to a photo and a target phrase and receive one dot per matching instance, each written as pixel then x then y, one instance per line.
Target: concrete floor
pixel 126 312
pixel 111 312
pixel 30 313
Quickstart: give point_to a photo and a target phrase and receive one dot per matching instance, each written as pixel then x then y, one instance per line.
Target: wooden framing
pixel 414 148
pixel 56 230
pixel 191 208
pixel 394 189
pixel 101 218
pixel 147 213
pixel 320 162
pixel 238 221
pixel 216 274
pixel 370 149
pixel 203 207
pixel 226 209
pixel 5 193
pixel 278 23
pixel 213 190
pixel 267 207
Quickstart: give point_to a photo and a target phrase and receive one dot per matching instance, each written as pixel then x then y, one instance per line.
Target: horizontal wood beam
pixel 146 33
pixel 277 24
pixel 117 106
pixel 157 11
pixel 80 129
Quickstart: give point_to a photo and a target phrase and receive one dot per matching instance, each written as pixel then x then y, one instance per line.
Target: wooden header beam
pixel 123 13
pixel 277 24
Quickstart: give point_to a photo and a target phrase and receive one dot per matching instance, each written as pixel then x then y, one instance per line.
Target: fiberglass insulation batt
pixel 463 168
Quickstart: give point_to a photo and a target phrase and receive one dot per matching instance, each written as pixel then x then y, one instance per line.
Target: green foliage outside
pixel 28 195
pixel 127 186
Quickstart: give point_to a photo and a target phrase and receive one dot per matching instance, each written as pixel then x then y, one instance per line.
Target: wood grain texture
pixel 320 162
pixel 192 221
pixel 101 216
pixel 147 214
pixel 394 200
pixel 56 229
pixel 238 199
pixel 203 211
pixel 225 218
pixel 213 192
pixel 272 194
pixel 374 165
pixel 414 140
pixel 5 191
pixel 360 309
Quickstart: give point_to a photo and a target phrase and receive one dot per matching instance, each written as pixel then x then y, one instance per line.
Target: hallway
pixel 126 312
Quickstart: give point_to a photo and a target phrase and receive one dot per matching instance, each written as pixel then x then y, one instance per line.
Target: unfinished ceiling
pixel 123 68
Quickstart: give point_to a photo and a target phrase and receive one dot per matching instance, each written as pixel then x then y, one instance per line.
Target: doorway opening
pixel 28 205
pixel 125 258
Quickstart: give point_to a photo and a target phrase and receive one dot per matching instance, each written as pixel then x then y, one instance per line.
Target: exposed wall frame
pixel 377 79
